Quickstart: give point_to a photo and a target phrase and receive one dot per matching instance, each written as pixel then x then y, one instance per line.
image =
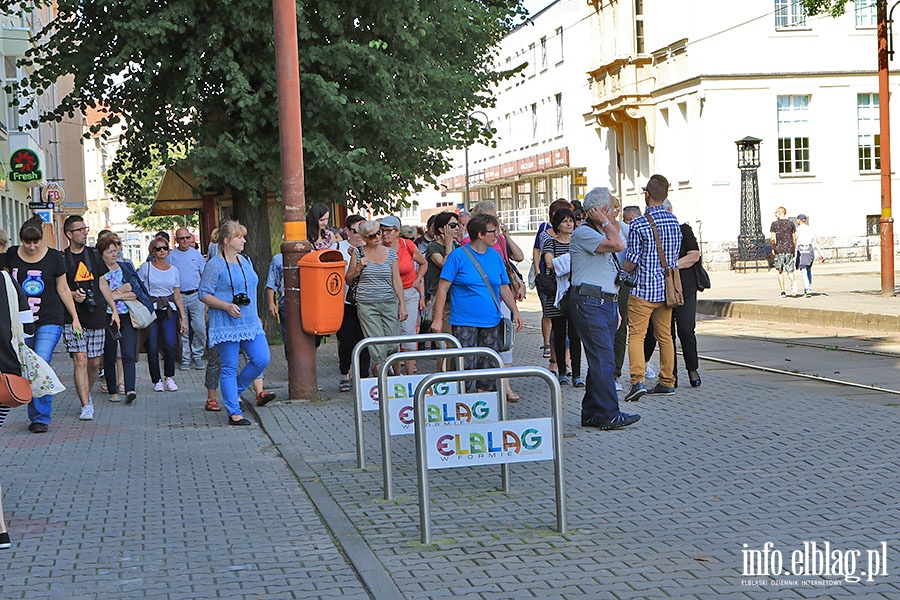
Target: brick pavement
pixel 657 510
pixel 158 499
pixel 137 502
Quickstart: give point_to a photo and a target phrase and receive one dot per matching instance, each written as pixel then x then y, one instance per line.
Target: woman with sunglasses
pixel 162 281
pixel 228 288
pixel 447 233
pixel 41 271
pixel 379 293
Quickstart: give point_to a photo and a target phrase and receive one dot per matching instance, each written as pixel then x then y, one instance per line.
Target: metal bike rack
pixel 459 353
pixel 504 373
pixel 355 375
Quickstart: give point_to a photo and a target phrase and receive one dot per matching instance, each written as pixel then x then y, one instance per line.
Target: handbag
pixel 354 285
pixel 674 291
pixel 14 390
pixel 703 282
pixel 141 316
pixel 545 284
pixel 515 278
pixel 506 332
pixel 36 372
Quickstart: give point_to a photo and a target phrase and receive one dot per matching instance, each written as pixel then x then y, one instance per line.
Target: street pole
pixel 884 115
pixel 301 347
pixel 466 199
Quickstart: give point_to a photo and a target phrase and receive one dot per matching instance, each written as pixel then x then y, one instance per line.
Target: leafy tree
pixel 386 89
pixel 833 7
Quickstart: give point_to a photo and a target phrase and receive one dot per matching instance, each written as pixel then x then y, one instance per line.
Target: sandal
pixel 344 386
pixel 121 388
pixel 546 350
pixel 103 387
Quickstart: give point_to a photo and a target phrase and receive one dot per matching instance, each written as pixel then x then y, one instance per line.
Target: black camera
pixel 625 278
pixel 241 299
pixel 89 299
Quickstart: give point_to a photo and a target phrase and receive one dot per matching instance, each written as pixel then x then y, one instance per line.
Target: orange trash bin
pixel 322 291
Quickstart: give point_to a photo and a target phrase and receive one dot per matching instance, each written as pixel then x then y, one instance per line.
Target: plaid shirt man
pixel 651 285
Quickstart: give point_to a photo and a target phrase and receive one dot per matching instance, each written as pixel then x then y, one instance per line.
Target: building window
pixel 559 37
pixel 793 135
pixel 532 60
pixel 559 114
pixel 789 13
pixel 639 26
pixel 867 125
pixel 866 13
pixel 534 122
pixel 543 54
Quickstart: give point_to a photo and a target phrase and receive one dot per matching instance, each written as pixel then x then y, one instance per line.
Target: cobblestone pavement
pixel 661 509
pixel 158 499
pixel 161 499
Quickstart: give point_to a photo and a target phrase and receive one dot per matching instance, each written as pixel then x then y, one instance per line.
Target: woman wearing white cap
pixel 412 266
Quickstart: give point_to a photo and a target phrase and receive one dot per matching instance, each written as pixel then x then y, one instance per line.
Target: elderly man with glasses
pixel 190 264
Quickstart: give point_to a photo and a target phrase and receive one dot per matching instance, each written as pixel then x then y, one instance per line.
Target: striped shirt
pixel 651 283
pixel 376 282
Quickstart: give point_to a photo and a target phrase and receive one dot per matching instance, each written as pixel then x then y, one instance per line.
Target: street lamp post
pixel 485 127
pixel 751 240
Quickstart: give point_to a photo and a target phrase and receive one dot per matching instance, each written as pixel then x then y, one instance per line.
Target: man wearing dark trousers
pixel 593 307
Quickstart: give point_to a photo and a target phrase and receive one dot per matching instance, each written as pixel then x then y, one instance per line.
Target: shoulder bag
pixel 515 278
pixel 674 291
pixel 354 285
pixel 703 281
pixel 507 331
pixel 36 372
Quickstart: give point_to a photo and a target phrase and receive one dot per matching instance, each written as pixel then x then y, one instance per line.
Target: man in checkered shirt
pixel 648 297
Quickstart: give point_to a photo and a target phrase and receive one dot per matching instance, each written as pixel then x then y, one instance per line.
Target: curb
pixel 371 572
pixel 797 315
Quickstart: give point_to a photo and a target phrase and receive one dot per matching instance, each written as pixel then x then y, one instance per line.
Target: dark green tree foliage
pixel 835 8
pixel 386 87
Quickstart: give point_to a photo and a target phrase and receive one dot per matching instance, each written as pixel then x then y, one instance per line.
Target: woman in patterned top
pixel 228 288
pixel 120 333
pixel 317 231
pixel 379 294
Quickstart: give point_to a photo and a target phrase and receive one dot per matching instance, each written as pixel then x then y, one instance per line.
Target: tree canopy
pixel 386 87
pixel 835 8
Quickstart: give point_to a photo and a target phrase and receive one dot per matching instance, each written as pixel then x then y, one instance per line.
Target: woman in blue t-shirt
pixel 474 314
pixel 228 288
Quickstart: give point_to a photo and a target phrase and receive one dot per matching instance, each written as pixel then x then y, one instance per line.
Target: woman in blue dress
pixel 228 288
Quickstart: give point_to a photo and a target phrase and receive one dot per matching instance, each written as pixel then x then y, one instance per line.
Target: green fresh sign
pixel 25 166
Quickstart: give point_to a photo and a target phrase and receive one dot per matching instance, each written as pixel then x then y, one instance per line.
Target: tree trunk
pixel 259 249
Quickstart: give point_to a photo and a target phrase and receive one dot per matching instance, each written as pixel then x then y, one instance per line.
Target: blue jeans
pixel 128 343
pixel 595 321
pixel 234 383
pixel 43 342
pixel 163 333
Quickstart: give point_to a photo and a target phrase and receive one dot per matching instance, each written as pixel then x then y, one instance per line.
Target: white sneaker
pixel 170 385
pixel 87 413
pixel 159 386
pixel 619 387
pixel 649 372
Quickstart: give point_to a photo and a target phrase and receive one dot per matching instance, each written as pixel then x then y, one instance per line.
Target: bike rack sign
pixel 443 412
pixel 526 440
pixel 401 387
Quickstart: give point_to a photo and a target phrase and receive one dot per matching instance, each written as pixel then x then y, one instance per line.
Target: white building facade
pixel 675 84
pixel 616 90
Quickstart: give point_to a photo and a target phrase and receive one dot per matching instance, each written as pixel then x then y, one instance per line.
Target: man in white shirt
pixel 190 264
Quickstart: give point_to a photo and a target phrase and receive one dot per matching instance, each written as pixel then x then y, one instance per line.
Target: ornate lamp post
pixel 486 126
pixel 751 241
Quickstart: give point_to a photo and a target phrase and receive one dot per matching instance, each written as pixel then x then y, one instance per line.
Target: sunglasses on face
pixel 453 225
pixel 184 237
pixel 353 229
pixel 85 229
pixel 372 236
pixel 490 231
pixel 161 248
